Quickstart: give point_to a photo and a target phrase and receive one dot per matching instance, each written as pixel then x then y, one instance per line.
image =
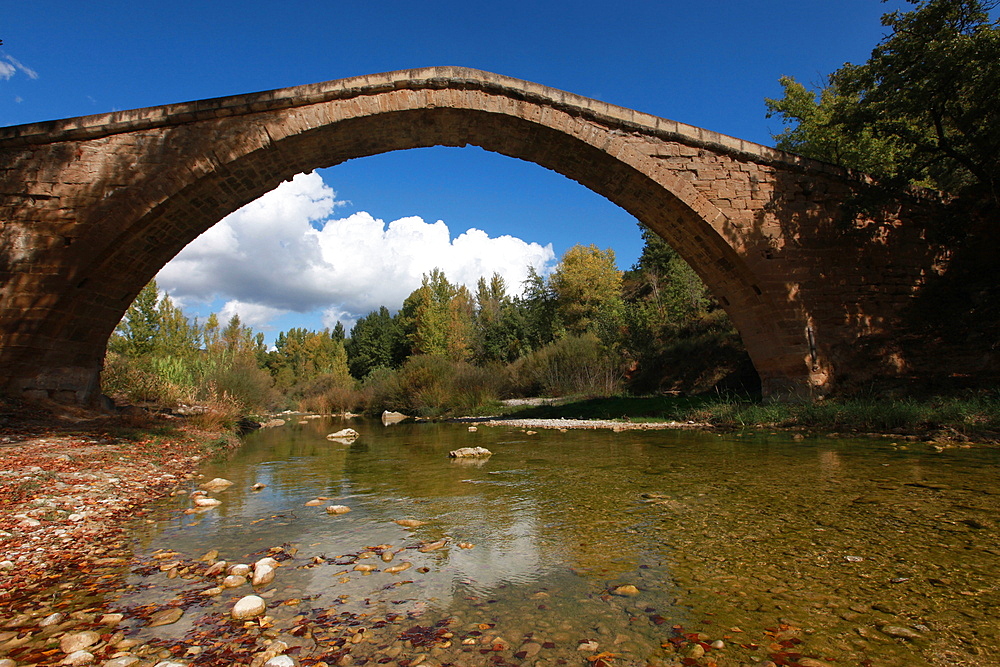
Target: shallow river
pixel 740 549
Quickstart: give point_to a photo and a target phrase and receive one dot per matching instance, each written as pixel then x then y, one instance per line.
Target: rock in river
pixel 627 590
pixel 470 453
pixel 217 484
pixel 393 417
pixel 165 617
pixel 263 574
pixel 901 632
pixel 347 435
pixel 249 607
pixel 78 640
pixel 338 509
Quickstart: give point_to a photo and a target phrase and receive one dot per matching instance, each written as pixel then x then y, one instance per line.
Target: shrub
pixel 571 365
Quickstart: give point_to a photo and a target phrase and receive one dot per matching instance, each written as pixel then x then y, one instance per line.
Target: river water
pixel 587 548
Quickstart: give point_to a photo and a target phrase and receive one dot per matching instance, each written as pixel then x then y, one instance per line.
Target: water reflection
pixel 714 531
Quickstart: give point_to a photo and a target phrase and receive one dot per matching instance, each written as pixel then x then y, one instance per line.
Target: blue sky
pixel 709 64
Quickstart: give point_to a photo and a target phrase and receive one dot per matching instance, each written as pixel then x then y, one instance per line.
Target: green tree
pixel 437 318
pixel 587 287
pixel 136 333
pixel 923 108
pixel 377 341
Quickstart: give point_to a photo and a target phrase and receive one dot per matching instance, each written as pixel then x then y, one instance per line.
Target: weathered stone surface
pixel 93 207
pixel 470 453
pixel 344 435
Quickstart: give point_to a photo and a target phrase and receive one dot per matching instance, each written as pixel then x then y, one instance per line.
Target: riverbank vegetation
pixel 587 329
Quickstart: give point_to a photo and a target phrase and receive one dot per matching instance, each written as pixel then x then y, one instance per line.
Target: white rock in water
pixel 280 661
pixel 217 484
pixel 206 502
pixel 234 581
pixel 393 417
pixel 263 574
pixel 266 560
pixel 344 435
pixel 249 607
pixel 51 619
pixel 338 509
pixel 258 486
pixel 240 569
pixel 470 453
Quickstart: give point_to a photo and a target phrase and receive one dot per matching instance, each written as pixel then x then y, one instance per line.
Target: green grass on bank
pixel 972 416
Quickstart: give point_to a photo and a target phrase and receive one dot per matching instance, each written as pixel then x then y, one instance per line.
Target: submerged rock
pixel 470 453
pixel 626 590
pixel 338 509
pixel 202 501
pixel 410 523
pixel 165 617
pixel 78 640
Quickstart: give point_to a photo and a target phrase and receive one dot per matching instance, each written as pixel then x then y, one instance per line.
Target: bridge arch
pixel 103 202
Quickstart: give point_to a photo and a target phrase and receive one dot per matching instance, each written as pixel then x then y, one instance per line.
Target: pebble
pixel 900 632
pixel 206 502
pixel 78 640
pixel 165 617
pixel 121 661
pixel 234 581
pixel 249 607
pixel 395 569
pixel 78 658
pixel 280 661
pixel 338 509
pixel 263 574
pixel 410 523
pixel 626 590
pixel 241 569
pixel 217 484
pixel 51 619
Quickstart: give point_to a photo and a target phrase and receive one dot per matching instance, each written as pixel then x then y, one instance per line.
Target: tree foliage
pixel 923 108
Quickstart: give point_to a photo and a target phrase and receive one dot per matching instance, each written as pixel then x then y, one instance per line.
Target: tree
pixel 376 341
pixel 437 318
pixel 136 333
pixel 587 287
pixel 923 108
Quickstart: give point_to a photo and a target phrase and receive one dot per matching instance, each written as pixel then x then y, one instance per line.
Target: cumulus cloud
pixel 288 252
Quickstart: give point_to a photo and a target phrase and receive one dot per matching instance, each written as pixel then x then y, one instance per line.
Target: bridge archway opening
pixel 556 208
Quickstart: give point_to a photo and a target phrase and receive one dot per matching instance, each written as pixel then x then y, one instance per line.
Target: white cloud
pixel 12 66
pixel 251 314
pixel 285 252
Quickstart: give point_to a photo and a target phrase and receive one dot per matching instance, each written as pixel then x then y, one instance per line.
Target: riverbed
pixel 579 547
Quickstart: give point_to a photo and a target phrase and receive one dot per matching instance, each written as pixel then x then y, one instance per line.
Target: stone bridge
pixel 91 208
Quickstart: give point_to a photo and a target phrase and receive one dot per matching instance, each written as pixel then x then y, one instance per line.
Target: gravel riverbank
pixel 68 492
